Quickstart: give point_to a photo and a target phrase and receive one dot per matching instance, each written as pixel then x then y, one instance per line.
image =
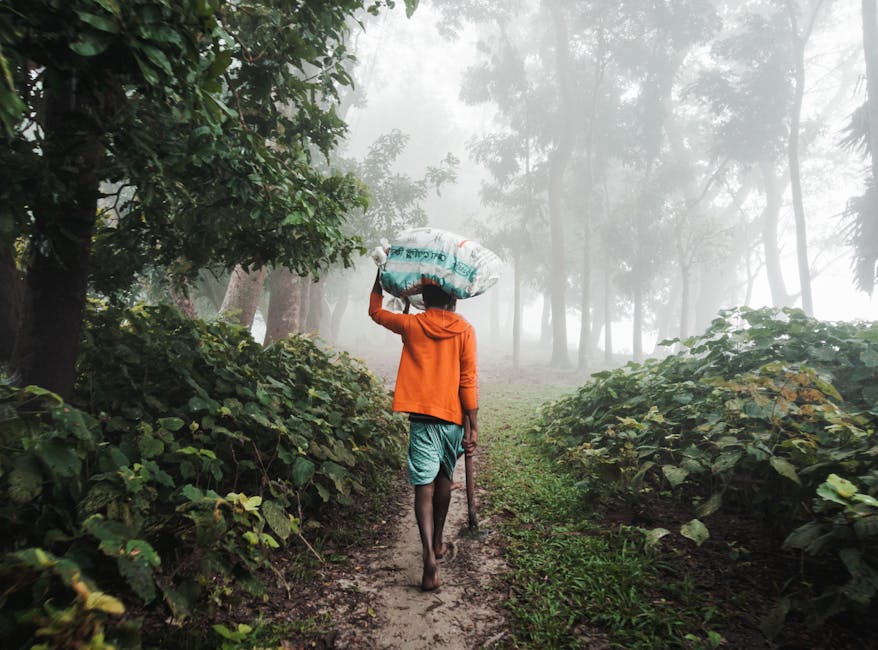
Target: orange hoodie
pixel 437 370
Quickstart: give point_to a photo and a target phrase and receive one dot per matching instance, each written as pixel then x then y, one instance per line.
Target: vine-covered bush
pixel 192 454
pixel 768 412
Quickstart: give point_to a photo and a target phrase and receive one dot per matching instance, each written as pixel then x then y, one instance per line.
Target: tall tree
pixel 800 38
pixel 242 295
pixel 558 160
pixel 182 102
pixel 862 211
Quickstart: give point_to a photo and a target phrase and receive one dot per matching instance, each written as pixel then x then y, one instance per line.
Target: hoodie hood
pixel 442 324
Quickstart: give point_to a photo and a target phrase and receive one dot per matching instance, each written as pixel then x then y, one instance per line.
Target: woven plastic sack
pixel 460 266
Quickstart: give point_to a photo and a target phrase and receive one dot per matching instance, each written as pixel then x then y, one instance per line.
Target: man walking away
pixel 436 384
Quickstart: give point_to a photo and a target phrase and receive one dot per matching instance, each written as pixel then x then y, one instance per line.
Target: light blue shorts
pixel 433 445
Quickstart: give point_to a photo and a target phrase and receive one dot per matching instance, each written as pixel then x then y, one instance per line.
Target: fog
pixel 686 175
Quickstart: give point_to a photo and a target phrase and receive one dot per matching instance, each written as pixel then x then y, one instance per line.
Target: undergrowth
pixel 571 580
pixel 188 455
pixel 769 415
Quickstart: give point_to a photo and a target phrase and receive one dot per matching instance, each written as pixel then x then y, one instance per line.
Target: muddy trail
pixel 378 602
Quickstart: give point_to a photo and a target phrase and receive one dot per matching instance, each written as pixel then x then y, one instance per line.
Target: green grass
pixel 569 576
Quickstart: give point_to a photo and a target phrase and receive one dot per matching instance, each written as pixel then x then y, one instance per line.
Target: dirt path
pixel 391 610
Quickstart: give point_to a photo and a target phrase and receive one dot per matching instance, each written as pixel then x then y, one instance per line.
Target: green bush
pixel 756 415
pixel 194 452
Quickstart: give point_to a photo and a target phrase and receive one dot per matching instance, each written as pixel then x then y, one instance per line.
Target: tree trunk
pixel 598 317
pixel 770 216
pixel 870 53
pixel 315 307
pixel 53 303
pixel 585 325
pixel 10 302
pixel 608 318
pixel 686 281
pixel 243 294
pixel 305 285
pixel 585 299
pixel 637 337
pixel 717 283
pixel 516 310
pixel 546 320
pixel 494 316
pixel 284 306
pixel 793 151
pixel 557 166
pixel 338 313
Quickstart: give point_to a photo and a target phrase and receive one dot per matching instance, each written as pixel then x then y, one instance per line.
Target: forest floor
pixel 378 603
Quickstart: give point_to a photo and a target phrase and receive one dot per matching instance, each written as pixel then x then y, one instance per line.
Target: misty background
pixel 677 125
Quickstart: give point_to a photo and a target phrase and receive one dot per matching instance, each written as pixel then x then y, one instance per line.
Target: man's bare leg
pixel 424 516
pixel 441 501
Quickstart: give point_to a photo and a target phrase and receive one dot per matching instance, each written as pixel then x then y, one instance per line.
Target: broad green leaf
pixel 277 518
pixel 303 470
pixel 99 22
pixel 39 391
pixel 867 499
pixel 104 603
pixel 803 536
pixel 110 5
pixel 150 446
pixel 869 357
pixel 249 504
pixel 192 493
pixel 675 475
pixel 36 558
pixel 323 492
pixel 91 44
pixel 152 79
pixel 100 495
pixel 710 506
pixel 75 421
pixel 726 461
pixel 410 7
pixel 696 531
pixel 111 533
pixel 653 536
pixel 268 540
pixel 222 106
pixel 251 537
pixel 637 479
pixel 59 456
pixel 785 468
pixel 842 486
pixel 138 576
pixel 140 550
pixel 203 404
pixel 157 58
pixel 25 483
pixel 338 475
pixel 171 424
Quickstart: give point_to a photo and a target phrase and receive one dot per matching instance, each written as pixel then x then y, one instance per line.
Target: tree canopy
pixel 171 133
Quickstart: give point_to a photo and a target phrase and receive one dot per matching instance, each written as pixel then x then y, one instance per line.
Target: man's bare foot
pixel 430 579
pixel 444 549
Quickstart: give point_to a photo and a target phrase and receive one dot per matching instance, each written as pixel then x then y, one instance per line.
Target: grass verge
pixel 572 582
